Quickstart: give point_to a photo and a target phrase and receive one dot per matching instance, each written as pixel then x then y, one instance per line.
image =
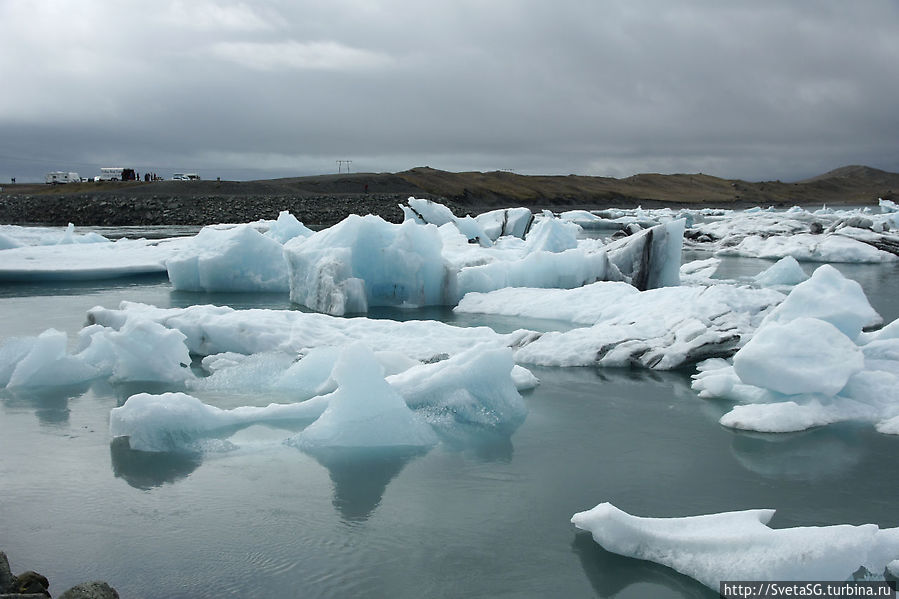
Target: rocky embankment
pixel 32 585
pixel 123 209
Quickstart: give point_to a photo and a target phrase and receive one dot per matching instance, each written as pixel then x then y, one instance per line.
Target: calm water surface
pixel 478 515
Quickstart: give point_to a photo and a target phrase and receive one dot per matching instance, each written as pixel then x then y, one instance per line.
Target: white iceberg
pixel 87 261
pixel 809 364
pixel 739 546
pixel 42 361
pixel 659 328
pixel 365 410
pixel 785 271
pixel 176 421
pixel 140 351
pixel 366 261
pixel 234 259
pixel 805 355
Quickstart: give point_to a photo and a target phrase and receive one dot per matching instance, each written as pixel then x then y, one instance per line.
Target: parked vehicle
pixel 116 174
pixel 185 177
pixel 62 177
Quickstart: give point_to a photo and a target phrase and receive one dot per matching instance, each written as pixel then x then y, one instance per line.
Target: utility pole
pixel 341 163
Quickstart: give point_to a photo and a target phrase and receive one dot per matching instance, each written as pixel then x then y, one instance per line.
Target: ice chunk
pixel 218 329
pixel 740 546
pixel 429 212
pixel 286 227
pixel 87 261
pixel 366 261
pixel 781 417
pixel 237 259
pixel 550 234
pixel 364 411
pixel 829 296
pixel 175 421
pixel 660 328
pixel 805 355
pixel 785 271
pixel 569 269
pixel 473 387
pixel 507 221
pixel 140 351
pixel 650 258
pixel 699 270
pixel 46 362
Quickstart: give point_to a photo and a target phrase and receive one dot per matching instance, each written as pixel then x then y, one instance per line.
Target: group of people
pixel 150 177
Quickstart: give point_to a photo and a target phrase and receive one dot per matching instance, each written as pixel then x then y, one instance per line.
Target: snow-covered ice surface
pixel 87 261
pixel 739 546
pixel 824 235
pixel 660 328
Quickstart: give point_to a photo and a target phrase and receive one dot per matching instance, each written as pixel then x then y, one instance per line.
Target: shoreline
pixel 327 199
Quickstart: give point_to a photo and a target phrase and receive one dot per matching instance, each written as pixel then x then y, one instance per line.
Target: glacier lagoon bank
pixel 647 414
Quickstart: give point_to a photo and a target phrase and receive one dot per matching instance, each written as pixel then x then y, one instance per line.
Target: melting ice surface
pixel 459 441
pixel 739 546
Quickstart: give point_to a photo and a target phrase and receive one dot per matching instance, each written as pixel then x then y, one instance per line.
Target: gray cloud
pixel 276 88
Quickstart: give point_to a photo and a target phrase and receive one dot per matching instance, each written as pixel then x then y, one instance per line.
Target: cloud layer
pixel 276 88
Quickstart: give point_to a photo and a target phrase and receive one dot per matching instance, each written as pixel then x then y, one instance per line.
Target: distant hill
pixel 846 185
pixel 326 199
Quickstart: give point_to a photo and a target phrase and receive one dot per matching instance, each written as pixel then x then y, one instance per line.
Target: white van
pixel 62 177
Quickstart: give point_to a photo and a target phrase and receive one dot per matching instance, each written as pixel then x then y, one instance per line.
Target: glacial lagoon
pixel 479 514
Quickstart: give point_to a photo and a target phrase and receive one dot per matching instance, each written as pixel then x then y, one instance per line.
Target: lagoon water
pixel 476 516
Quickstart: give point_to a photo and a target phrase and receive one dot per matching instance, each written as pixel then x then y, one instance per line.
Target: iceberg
pixel 809 363
pixel 429 212
pixel 785 271
pixel 176 421
pixel 237 259
pixel 42 361
pixel 87 261
pixel 660 328
pixel 366 261
pixel 740 546
pixel 365 410
pixel 514 222
pixel 216 330
pixel 140 351
pixel 475 387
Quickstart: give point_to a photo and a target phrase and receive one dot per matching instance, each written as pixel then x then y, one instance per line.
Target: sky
pixel 759 90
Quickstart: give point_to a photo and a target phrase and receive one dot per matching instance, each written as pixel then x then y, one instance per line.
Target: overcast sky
pixel 754 90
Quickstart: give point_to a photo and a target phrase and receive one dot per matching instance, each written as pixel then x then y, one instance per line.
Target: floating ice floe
pixel 217 329
pixel 87 261
pixel 821 236
pixel 809 363
pixel 361 409
pixel 140 351
pixel 739 546
pixel 660 328
pixel 17 236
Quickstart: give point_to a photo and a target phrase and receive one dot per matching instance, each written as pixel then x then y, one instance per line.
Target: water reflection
pixel 611 574
pixel 484 445
pixel 147 470
pixel 820 453
pixel 361 475
pixel 50 404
